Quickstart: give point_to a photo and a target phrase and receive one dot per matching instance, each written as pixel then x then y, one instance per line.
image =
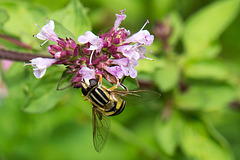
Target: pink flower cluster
pixel 113 54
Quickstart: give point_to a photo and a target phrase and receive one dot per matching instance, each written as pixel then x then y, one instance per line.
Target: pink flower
pixel 57 55
pixel 143 37
pixel 112 54
pixel 119 19
pixel 40 64
pixel 65 48
pixel 95 41
pixel 133 53
pixel 127 67
pixel 120 62
pixel 87 73
pixel 128 51
pixel 130 71
pixel 116 71
pixel 47 32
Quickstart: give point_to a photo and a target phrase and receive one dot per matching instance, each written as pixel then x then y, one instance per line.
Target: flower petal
pixel 133 72
pixel 42 62
pixel 116 71
pixel 96 42
pixel 120 62
pixel 129 51
pixel 119 19
pixel 134 62
pixel 87 73
pixel 142 37
pixel 39 73
pixel 82 39
pixel 47 32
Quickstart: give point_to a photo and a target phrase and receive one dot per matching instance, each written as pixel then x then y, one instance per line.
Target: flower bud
pixel 162 30
pixel 103 58
pixel 116 41
pixel 117 55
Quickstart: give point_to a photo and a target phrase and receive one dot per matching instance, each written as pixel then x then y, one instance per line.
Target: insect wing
pixel 101 127
pixel 138 96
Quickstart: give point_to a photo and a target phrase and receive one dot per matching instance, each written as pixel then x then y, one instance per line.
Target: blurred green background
pixel 196 69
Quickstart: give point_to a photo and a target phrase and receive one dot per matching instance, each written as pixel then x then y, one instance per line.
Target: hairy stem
pixel 17 56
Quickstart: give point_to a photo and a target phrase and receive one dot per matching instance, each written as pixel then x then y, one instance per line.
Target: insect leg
pixel 124 87
pixel 121 82
pixel 100 78
pixel 84 97
pixel 114 87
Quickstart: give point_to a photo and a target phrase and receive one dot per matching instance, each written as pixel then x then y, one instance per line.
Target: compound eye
pixel 93 82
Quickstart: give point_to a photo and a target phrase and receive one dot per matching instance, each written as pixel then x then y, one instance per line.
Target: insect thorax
pixel 104 100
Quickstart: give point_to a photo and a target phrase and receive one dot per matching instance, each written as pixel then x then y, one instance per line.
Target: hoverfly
pixel 107 102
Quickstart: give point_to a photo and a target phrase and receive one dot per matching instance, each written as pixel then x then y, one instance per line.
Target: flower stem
pixel 12 40
pixel 17 56
pixel 169 106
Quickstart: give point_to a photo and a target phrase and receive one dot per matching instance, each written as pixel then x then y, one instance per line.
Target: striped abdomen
pixel 108 103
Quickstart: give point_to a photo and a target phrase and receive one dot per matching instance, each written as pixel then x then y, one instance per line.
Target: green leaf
pixel 34 95
pixel 161 7
pixel 177 24
pixel 211 51
pixel 65 80
pixel 206 97
pixel 196 143
pixel 36 103
pixel 62 32
pixel 16 73
pixel 146 65
pixel 167 133
pixel 131 83
pixel 4 17
pixel 207 25
pixel 214 132
pixel 211 69
pixel 134 10
pixel 41 94
pixel 53 4
pixel 22 19
pixel 73 17
pixel 166 78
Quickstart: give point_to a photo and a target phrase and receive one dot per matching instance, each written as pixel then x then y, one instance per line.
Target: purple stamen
pixel 144 24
